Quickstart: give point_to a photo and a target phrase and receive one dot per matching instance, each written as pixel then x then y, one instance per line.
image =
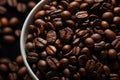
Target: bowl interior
pixel 24 33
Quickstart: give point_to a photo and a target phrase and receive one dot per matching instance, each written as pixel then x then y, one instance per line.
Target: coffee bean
pixel 32 57
pixel 108 16
pixel 31 4
pixel 66 48
pixel 76 50
pixel 3 68
pixel 89 42
pixel 51 50
pixel 66 72
pixel 27 77
pixel 114 76
pixel 82 15
pixel 117 11
pixel 82 71
pixel 66 34
pixel 12 3
pixel 51 36
pixel 4 60
pixel 90 65
pixel 22 71
pixel 73 6
pixel 42 64
pixel 7 30
pixel 64 62
pixel 96 37
pixel 116 43
pixel 106 69
pixel 13 21
pixel 21 7
pixel 100 45
pixel 82 60
pixel 30 46
pixel 3 10
pixel 9 39
pixel 66 14
pixel 85 50
pixel 40 14
pixel 84 6
pixel 58 24
pixel 39 22
pixel 4 21
pixel 40 42
pixel 112 53
pixel 116 20
pixel 52 62
pixel 12 76
pixel 17 33
pixel 104 24
pixel 13 66
pixel 19 60
pixel 51 74
pixel 110 34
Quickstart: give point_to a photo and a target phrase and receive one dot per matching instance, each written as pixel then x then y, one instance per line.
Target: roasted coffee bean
pixel 116 20
pixel 96 37
pixel 112 54
pixel 4 60
pixel 9 39
pixel 4 21
pixel 22 71
pixel 110 34
pixel 51 36
pixel 82 15
pixel 12 76
pixel 66 14
pixel 108 16
pixel 90 65
pixel 3 68
pixel 31 4
pixel 13 66
pixel 76 50
pixel 106 69
pixel 104 24
pixel 66 48
pixel 40 14
pixel 58 24
pixel 85 50
pixel 84 6
pixel 82 71
pixel 116 43
pixel 73 6
pixel 7 30
pixel 27 77
pixel 66 34
pixel 21 7
pixel 114 76
pixel 52 62
pixel 51 50
pixel 12 3
pixel 55 78
pixel 64 62
pixel 89 42
pixel 19 60
pixel 13 21
pixel 117 11
pixel 39 22
pixel 40 42
pixel 99 46
pixel 17 33
pixel 30 46
pixel 82 60
pixel 32 57
pixel 66 72
pixel 42 64
pixel 3 10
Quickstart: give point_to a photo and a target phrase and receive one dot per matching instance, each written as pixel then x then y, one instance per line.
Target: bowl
pixel 24 33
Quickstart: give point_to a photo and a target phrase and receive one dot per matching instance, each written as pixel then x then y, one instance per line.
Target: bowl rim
pixel 24 33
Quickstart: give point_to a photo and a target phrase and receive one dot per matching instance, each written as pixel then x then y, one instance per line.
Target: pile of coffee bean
pixel 75 40
pixel 12 16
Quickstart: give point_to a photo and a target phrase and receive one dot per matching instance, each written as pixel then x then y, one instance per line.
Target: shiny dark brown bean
pixel 32 57
pixel 13 66
pixel 12 3
pixel 12 76
pixel 21 7
pixel 3 10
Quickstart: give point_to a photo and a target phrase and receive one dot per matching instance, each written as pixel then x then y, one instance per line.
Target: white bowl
pixel 24 33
